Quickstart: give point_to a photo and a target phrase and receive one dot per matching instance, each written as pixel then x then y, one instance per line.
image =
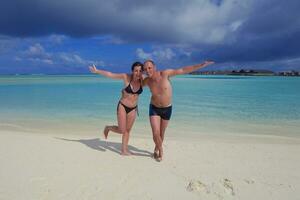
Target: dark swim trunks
pixel 164 112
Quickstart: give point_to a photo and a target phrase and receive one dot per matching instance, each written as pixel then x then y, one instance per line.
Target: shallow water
pixel 201 104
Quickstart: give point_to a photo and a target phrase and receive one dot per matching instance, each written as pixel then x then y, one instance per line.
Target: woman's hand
pixel 93 69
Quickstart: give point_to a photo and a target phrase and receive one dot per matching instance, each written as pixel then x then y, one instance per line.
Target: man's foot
pixel 105 132
pixel 158 159
pixel 160 156
pixel 126 153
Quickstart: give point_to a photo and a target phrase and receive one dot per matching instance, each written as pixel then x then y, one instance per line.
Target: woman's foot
pixel 126 153
pixel 155 154
pixel 105 132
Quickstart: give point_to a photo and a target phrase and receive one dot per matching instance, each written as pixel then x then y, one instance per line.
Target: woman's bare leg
pixel 121 128
pixel 129 123
pixel 121 115
pixel 111 128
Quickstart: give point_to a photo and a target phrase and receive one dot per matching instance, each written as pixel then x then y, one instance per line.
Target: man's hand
pixel 208 62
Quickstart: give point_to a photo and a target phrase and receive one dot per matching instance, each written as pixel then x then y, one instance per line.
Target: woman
pixel 127 106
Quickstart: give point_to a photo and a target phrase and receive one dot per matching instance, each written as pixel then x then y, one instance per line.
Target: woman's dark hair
pixel 137 64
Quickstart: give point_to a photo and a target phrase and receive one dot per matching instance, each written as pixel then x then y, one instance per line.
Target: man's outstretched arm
pixel 187 69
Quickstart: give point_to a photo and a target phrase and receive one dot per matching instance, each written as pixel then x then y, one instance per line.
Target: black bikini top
pixel 129 90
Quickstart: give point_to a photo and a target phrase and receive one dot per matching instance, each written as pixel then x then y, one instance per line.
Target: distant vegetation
pixel 249 72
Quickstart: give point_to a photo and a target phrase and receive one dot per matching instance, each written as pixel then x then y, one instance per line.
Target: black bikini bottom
pixel 127 109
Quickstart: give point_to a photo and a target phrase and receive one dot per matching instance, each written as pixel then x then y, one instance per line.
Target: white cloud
pixel 39 60
pixel 17 58
pixel 161 55
pixel 74 59
pixel 7 44
pixel 37 54
pixel 108 39
pixel 57 39
pixel 37 50
pixel 164 54
pixel 235 25
pixel 141 54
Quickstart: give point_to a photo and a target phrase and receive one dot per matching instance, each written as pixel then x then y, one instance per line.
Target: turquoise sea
pixel 83 104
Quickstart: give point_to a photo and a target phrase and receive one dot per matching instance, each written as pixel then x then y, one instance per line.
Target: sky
pixel 66 36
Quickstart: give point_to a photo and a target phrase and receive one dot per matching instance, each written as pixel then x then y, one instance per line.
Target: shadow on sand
pixel 103 145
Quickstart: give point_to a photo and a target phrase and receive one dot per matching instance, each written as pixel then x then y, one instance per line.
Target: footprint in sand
pixel 197 186
pixel 227 184
pixel 249 181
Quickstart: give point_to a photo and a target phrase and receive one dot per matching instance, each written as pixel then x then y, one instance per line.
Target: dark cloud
pixel 227 30
pixel 164 21
pixel 217 2
pixel 271 32
pixel 272 18
pixel 261 49
pixel 77 18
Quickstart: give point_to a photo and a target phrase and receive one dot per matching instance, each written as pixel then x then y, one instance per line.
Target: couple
pixel 160 108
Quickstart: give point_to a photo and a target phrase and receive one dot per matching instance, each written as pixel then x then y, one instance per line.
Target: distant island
pixel 248 72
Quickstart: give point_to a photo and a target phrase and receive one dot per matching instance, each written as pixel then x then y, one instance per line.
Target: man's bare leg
pixel 156 149
pixel 155 125
pixel 163 127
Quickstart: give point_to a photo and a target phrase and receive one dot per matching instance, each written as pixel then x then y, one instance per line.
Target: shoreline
pixel 142 128
pixel 203 73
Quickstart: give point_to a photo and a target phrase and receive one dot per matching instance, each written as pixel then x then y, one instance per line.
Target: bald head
pixel 149 67
pixel 149 61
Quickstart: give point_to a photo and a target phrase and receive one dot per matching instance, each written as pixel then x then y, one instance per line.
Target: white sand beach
pixel 48 166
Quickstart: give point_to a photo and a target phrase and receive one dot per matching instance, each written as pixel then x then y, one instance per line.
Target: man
pixel 160 108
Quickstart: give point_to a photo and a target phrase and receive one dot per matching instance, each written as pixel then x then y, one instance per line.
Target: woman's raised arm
pixel 108 74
